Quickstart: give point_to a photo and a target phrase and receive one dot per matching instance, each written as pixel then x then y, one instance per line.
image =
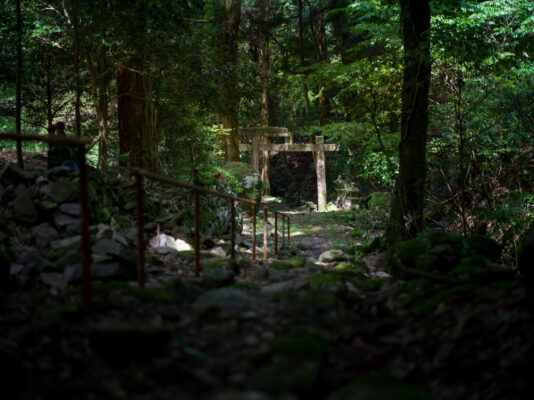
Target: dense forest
pixel 172 144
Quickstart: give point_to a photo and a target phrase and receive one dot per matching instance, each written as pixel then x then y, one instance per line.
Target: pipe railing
pixel 266 211
pixel 81 143
pixel 139 174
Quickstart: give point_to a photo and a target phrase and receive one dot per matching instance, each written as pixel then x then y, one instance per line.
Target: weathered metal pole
pixel 254 231
pixel 288 233
pixel 140 231
pixel 275 233
pixel 86 245
pixel 283 231
pixel 232 251
pixel 265 234
pixel 197 233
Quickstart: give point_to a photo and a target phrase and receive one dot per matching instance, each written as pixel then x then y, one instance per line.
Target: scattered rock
pixel 291 285
pixel 54 279
pixel 295 262
pixel 74 273
pixel 24 210
pixel 164 240
pixel 16 268
pixel 62 220
pixel 217 277
pixel 228 301
pixel 46 205
pixel 72 209
pixel 62 191
pixel 14 174
pixel 131 205
pixel 207 242
pixel 35 260
pixel 68 242
pixel 218 252
pixel 104 232
pixel 332 255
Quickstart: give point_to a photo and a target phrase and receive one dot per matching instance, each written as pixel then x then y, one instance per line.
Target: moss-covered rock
pixel 409 251
pixel 471 264
pixel 483 245
pixel 305 343
pixel 288 263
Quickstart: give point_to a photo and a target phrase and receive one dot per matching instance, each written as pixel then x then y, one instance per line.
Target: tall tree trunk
pixel 18 100
pixel 137 133
pixel 99 90
pixel 324 100
pixel 265 72
pixel 231 16
pixel 407 206
pixel 77 101
pixel 302 62
pixel 49 112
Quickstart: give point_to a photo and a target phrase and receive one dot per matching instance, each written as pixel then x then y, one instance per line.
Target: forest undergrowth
pixel 328 318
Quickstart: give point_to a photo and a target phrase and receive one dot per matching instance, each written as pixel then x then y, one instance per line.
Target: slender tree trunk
pixel 77 101
pixel 137 133
pixel 302 61
pixel 18 100
pixel 101 101
pixel 49 113
pixel 407 206
pixel 265 106
pixel 324 100
pixel 231 10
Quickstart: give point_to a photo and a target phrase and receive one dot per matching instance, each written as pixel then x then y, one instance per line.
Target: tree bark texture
pixel 302 61
pixel 77 101
pixel 18 96
pixel 137 134
pixel 265 109
pixel 407 207
pixel 230 19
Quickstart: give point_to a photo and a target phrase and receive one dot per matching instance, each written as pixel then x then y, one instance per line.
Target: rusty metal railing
pixel 139 174
pixel 81 143
pixel 265 230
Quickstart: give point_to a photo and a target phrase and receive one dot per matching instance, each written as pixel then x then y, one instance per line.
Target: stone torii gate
pixel 260 142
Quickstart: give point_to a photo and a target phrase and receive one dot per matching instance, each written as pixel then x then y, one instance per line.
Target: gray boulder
pixel 24 210
pixel 62 191
pixel 228 301
pixel 74 273
pixel 332 255
pixel 72 209
pixel 44 234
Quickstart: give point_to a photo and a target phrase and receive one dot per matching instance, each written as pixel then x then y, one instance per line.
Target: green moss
pixel 288 263
pixel 483 245
pixel 470 264
pixel 301 343
pixel 214 264
pixel 409 251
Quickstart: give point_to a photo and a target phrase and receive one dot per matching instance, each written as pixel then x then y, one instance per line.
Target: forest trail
pixel 313 233
pixel 297 326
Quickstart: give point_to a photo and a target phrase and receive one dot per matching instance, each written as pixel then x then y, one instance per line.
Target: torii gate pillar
pixel 321 173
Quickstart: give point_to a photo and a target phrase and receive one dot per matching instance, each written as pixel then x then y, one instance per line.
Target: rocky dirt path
pixel 313 233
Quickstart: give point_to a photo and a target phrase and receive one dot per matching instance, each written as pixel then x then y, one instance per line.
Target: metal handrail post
pixel 265 234
pixel 254 231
